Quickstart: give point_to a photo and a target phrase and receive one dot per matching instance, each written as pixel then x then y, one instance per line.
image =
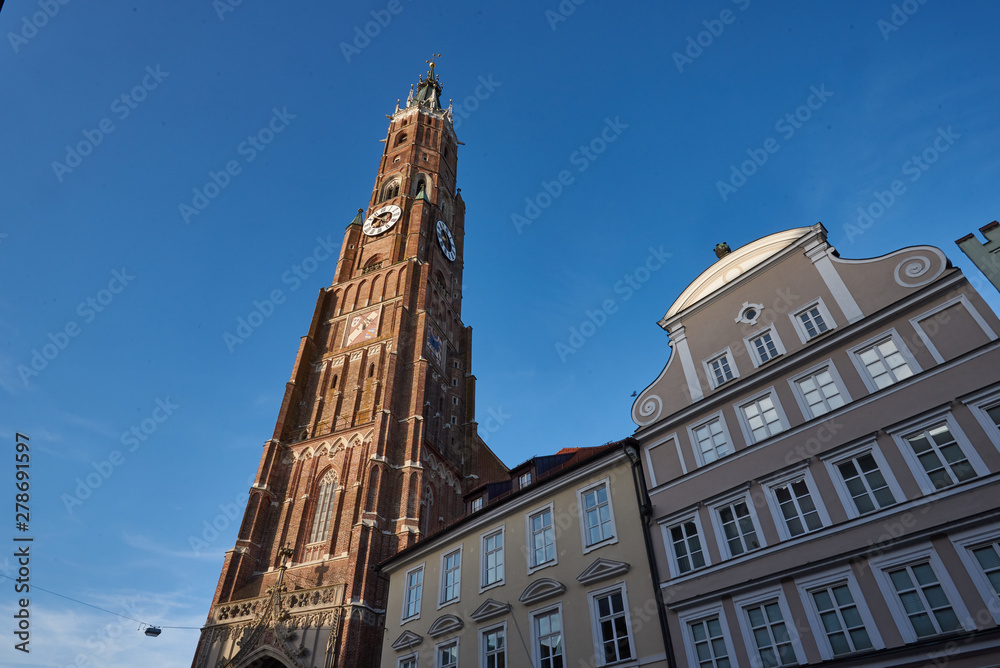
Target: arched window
pixel 324 508
pixel 390 190
pixel 400 138
pixel 371 371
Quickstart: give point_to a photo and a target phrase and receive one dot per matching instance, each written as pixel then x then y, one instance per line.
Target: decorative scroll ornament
pixel 916 271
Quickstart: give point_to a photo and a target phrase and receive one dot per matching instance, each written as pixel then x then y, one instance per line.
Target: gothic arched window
pixel 324 508
pixel 390 190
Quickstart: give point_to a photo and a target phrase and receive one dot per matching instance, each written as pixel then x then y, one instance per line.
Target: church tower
pixel 376 437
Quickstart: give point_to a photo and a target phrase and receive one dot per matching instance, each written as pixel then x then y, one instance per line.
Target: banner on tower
pixel 362 327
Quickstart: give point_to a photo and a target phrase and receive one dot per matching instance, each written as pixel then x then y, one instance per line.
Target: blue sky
pixel 829 101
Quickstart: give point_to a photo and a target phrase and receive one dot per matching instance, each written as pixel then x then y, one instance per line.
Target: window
pixel 721 368
pixel 451 576
pixel 842 623
pixel 524 480
pixel 390 190
pixel 493 558
pixel 762 417
pixel 940 455
pixel 980 552
pixel 493 647
pixel 477 504
pixel 408 662
pixel 710 649
pixel 684 546
pixel 795 504
pixel 812 321
pixel 447 655
pixel 612 626
pixel 324 508
pixel 884 362
pixel 988 558
pixel 739 527
pixel 711 440
pixel 546 633
pixel 864 482
pixel 820 391
pixel 596 516
pixel 764 346
pixel 772 642
pixel 541 539
pixel 413 589
pixel 985 406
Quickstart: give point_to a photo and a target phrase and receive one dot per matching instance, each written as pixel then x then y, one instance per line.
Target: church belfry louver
pixel 376 437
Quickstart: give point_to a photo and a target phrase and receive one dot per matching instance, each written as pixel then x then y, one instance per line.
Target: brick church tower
pixel 376 438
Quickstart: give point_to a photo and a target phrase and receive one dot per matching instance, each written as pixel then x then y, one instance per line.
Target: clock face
pixel 446 241
pixel 382 220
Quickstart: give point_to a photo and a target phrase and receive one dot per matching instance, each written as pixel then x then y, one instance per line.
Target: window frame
pixel 964 543
pixel 501 531
pixel 800 397
pixel 699 456
pixel 854 353
pixel 720 533
pixel 786 479
pixel 881 565
pixel 745 421
pixel 473 504
pixel 701 614
pixel 979 403
pixel 650 465
pixel 413 656
pixel 595 624
pixel 580 493
pixel 759 597
pixel 668 544
pixel 752 349
pixel 406 592
pixel 706 363
pixel 482 645
pixel 901 431
pixel 868 446
pixel 442 602
pixel 824 312
pixel 826 579
pixel 529 544
pixel 456 641
pixel 535 638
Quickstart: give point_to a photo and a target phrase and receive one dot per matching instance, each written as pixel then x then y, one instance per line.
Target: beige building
pixel 822 452
pixel 549 569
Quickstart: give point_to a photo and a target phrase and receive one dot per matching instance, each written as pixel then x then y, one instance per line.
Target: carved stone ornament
pixel 602 569
pixel 490 609
pixel 541 589
pixel 445 624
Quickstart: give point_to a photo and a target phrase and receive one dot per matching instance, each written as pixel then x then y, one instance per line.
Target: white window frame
pixel 800 398
pixel 698 615
pixel 699 456
pixel 668 543
pixel 477 504
pixel 406 593
pixel 868 446
pixel 580 493
pixel 413 656
pixel 825 579
pixel 964 541
pixel 441 645
pixel 854 354
pixel 926 315
pixel 800 328
pixel 529 543
pixel 979 403
pixel 801 472
pixel 710 373
pixel 744 422
pixel 648 451
pixel 482 645
pixel 596 626
pixel 720 533
pixel 442 602
pixel 535 647
pixel 881 565
pixel 902 430
pixel 501 531
pixel 756 598
pixel 752 349
pixel 524 480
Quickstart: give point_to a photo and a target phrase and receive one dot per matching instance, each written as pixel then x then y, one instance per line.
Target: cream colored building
pixel 552 570
pixel 822 452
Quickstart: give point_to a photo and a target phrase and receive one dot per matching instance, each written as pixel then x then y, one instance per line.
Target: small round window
pixel 749 313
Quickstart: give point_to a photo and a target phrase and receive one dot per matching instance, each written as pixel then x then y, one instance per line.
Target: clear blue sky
pixel 880 94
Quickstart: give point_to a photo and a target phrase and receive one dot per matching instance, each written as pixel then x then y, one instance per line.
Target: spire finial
pixel 430 74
